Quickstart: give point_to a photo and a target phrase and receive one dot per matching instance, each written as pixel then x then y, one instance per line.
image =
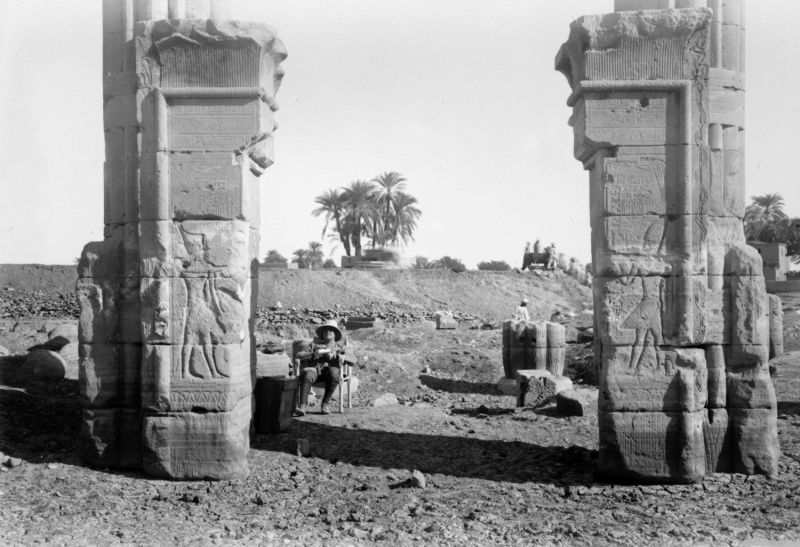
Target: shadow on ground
pixel 458 386
pixel 465 457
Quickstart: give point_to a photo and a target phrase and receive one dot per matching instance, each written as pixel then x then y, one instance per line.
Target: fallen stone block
pixel 576 402
pixel 355 323
pixel 446 322
pixel 536 386
pixel 384 400
pixel 272 364
pixel 42 365
pixel 67 330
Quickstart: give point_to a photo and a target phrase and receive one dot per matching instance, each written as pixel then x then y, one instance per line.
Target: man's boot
pixel 300 410
pixel 325 408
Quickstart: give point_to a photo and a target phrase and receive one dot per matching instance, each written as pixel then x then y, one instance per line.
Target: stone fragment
pixel 536 386
pixel 417 480
pixel 4 352
pixel 384 400
pixel 576 402
pixel 302 448
pixel 446 322
pixel 67 330
pixel 42 365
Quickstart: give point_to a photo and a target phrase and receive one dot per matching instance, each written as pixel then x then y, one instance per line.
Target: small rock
pixel 426 370
pixel 418 479
pixel 52 466
pixel 384 400
pixel 576 402
pixel 4 351
pixel 302 447
pixel 14 462
pixel 586 335
pixel 42 366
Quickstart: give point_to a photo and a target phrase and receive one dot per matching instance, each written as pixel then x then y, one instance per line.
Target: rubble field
pixel 486 472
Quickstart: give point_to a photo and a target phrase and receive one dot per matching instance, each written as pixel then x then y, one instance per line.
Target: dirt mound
pixel 39 290
pixel 492 295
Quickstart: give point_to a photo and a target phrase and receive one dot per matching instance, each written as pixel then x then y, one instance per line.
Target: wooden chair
pixel 345 372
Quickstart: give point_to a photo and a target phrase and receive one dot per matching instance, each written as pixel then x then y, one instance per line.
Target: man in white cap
pixel 321 362
pixel 521 313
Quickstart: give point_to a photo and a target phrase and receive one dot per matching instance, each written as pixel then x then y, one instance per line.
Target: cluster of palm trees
pixel 765 221
pixel 379 210
pixel 312 257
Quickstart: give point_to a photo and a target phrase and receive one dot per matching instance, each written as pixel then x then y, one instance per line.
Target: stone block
pixel 110 375
pixel 198 445
pixel 648 379
pixel 195 310
pixel 42 365
pixel 207 378
pixel 653 446
pixel 536 386
pixel 276 364
pixel 355 323
pixel 191 247
pixel 754 434
pixel 577 402
pixel 109 310
pixel 446 322
pixel 749 311
pixel 750 387
pixel 112 437
pixel 65 330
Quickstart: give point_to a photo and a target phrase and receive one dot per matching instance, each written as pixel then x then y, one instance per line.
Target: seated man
pixel 322 362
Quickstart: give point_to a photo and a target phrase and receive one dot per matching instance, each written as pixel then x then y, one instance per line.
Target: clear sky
pixel 458 96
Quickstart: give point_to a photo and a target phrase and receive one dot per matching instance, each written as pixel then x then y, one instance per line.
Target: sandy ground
pixel 495 475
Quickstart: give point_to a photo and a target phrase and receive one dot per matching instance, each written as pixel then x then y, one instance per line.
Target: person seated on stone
pixel 322 362
pixel 521 313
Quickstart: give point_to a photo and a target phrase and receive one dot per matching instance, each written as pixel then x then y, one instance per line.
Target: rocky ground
pixel 493 475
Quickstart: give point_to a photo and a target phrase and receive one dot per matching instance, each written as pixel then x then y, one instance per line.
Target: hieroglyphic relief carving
pixel 679 298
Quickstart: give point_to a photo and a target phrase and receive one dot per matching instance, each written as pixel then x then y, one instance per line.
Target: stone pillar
pixel 680 301
pixel 166 327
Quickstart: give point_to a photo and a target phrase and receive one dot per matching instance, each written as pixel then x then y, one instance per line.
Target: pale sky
pixel 459 96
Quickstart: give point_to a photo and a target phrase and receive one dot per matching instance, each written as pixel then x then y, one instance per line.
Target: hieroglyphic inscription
pixel 627 120
pixel 635 187
pixel 205 186
pixel 200 124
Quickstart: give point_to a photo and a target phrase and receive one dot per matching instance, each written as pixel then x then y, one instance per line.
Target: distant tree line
pixel 309 258
pixel 765 221
pixel 379 210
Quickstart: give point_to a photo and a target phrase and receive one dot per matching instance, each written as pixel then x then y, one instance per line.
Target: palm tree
pixel 315 254
pixel 360 210
pixel 390 184
pixel 763 213
pixel 405 219
pixel 301 258
pixel 332 203
pixel 273 257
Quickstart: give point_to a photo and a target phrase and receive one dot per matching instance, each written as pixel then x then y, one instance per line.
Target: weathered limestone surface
pixel 775 326
pixel 166 329
pixel 533 345
pixel 683 325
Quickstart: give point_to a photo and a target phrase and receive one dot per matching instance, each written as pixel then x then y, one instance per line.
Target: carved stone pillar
pixel 680 301
pixel 167 346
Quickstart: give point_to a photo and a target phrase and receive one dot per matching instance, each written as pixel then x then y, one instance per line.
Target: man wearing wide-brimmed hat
pixel 322 363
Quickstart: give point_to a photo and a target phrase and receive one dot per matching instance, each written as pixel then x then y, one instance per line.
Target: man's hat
pixel 524 300
pixel 330 324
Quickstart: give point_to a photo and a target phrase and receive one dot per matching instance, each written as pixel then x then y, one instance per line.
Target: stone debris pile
pixel 18 304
